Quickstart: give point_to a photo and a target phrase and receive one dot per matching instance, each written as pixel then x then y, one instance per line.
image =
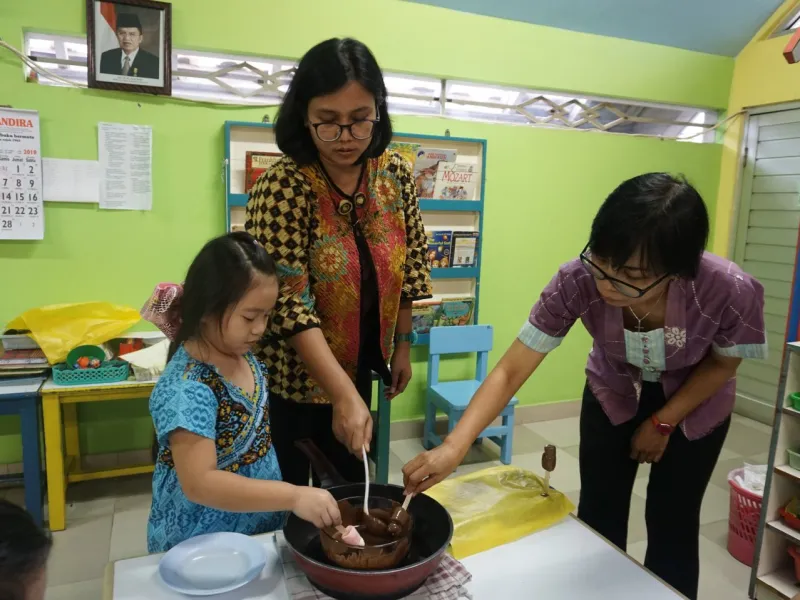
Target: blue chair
pixel 453 397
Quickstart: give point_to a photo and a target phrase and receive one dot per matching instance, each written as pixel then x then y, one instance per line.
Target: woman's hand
pixel 648 445
pixel 401 370
pixel 316 506
pixel 429 468
pixel 352 423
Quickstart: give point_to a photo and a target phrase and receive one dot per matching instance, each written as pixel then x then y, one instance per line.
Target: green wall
pixel 543 185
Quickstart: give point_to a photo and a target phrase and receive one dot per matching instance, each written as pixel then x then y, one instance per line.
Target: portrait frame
pixel 151 69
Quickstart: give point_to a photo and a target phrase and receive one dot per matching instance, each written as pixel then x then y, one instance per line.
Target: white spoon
pixel 366 480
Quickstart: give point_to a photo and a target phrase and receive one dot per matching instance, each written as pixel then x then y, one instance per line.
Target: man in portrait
pixel 129 59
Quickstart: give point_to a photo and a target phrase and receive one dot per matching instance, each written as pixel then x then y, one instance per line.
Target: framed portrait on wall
pixel 130 45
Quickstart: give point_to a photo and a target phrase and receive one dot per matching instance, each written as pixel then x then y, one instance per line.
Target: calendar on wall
pixel 21 209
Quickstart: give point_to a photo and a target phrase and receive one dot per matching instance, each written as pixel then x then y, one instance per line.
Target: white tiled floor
pixel 108 519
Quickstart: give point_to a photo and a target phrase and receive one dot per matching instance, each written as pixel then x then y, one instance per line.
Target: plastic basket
pixel 795 400
pixel 743 520
pixel 110 372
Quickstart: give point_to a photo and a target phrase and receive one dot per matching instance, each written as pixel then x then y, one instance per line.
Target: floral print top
pixel 721 311
pixel 292 212
pixel 192 395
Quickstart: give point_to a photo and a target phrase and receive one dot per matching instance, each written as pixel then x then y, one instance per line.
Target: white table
pixel 565 562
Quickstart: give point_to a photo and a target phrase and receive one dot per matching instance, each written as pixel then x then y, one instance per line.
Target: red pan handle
pixel 327 473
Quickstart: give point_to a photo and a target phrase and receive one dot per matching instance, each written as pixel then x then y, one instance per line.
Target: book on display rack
pixel 255 164
pixel 426 167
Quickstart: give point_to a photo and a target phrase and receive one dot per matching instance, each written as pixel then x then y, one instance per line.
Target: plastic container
pixel 88 351
pixel 794 552
pixel 788 518
pixel 743 520
pixel 794 459
pixel 795 400
pixel 109 372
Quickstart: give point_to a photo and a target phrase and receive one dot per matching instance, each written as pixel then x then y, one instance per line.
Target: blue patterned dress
pixel 193 396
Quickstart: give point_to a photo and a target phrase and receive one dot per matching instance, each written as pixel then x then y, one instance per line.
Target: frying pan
pixel 430 537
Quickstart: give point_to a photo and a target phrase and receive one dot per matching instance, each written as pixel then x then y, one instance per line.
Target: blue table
pixel 24 401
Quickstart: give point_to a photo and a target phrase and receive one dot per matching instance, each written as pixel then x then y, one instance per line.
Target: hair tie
pixel 163 309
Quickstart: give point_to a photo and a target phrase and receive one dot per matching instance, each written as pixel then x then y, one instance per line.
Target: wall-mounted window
pixel 788 25
pixel 258 80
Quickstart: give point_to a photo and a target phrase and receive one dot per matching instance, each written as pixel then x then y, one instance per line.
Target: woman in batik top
pixel 671 324
pixel 339 214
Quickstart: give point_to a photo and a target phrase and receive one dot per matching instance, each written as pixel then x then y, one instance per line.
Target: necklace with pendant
pixel 638 320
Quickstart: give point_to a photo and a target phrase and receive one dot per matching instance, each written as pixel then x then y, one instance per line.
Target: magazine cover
pixel 425 315
pixel 456 312
pixel 439 246
pixel 428 160
pixel 465 249
pixel 255 164
pixel 456 181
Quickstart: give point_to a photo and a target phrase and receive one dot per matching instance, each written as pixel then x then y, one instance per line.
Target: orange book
pixel 255 164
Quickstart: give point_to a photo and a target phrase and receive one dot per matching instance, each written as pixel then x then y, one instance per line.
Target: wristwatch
pixel 401 338
pixel 664 429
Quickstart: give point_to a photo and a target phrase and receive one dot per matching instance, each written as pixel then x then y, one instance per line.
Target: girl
pixel 24 549
pixel 340 216
pixel 216 468
pixel 671 324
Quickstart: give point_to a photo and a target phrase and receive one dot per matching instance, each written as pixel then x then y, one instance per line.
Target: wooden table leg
pixel 71 435
pixel 54 459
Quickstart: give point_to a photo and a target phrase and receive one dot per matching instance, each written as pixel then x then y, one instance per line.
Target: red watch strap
pixel 662 428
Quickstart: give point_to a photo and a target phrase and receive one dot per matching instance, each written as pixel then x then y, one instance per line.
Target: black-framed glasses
pixel 360 130
pixel 626 289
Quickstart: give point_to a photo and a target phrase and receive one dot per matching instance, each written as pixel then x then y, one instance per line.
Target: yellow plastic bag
pixel 496 506
pixel 61 327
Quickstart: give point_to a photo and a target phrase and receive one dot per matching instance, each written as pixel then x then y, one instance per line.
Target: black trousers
pixel 291 421
pixel 674 493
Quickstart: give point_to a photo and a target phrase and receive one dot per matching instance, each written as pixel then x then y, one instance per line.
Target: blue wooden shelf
pixel 455 273
pixel 450 205
pixel 475 207
pixel 238 199
pixel 423 339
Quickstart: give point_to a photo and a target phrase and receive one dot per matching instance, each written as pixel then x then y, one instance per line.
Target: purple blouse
pixel 722 309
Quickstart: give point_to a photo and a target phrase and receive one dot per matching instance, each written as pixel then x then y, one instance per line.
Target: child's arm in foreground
pixel 195 460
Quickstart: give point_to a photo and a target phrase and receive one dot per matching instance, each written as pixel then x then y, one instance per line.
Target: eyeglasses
pixel 330 132
pixel 626 289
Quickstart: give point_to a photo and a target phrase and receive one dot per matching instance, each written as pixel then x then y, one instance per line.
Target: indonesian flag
pixel 106 26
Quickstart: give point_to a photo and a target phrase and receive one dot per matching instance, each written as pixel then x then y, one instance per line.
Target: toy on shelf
pixel 86 357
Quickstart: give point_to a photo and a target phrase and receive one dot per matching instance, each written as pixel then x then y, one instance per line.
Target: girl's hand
pixel 316 506
pixel 401 370
pixel 648 445
pixel 429 468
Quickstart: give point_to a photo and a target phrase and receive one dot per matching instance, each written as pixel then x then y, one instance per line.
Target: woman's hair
pixel 219 277
pixel 24 548
pixel 325 69
pixel 657 214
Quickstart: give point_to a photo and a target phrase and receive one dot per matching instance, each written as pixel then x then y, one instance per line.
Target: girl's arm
pixel 195 460
pixel 429 468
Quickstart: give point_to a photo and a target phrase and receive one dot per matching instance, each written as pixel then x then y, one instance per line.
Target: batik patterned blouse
pixel 721 311
pixel 292 213
pixel 193 396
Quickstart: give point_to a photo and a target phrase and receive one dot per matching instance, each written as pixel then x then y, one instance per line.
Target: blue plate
pixel 212 564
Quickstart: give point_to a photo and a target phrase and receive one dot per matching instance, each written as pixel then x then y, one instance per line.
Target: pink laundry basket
pixel 743 520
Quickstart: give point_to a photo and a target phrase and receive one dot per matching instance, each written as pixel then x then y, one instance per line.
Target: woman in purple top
pixel 671 324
